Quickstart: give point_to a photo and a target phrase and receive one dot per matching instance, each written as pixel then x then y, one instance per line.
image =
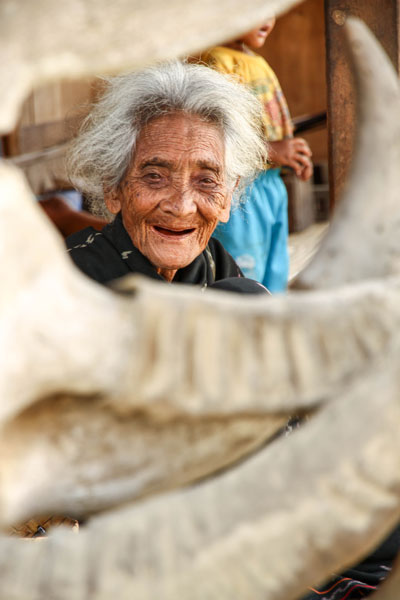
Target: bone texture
pixel 42 41
pixel 80 456
pixel 156 358
pixel 246 366
pixel 233 537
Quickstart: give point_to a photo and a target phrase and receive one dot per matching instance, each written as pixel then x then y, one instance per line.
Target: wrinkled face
pixel 256 37
pixel 175 191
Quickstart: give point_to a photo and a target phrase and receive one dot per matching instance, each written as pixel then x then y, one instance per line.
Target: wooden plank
pixel 34 138
pixel 46 102
pixel 75 96
pixel 50 116
pixel 383 19
pixel 303 246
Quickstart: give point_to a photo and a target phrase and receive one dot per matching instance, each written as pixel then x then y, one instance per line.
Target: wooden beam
pixel 383 19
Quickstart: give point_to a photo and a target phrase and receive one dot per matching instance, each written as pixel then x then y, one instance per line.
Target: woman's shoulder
pixel 81 239
pixel 94 255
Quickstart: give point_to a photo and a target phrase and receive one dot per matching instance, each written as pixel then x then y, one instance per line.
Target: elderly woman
pixel 165 150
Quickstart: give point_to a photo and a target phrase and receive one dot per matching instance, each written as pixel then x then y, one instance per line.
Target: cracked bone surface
pixel 103 409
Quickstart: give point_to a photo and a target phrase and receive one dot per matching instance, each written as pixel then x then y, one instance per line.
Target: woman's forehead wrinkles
pixel 166 144
pixel 180 141
pixel 204 163
pixel 179 129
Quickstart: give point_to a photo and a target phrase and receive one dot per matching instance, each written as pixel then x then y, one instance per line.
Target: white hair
pixel 102 152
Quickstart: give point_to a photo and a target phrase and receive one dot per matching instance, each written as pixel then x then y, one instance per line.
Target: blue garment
pixel 256 234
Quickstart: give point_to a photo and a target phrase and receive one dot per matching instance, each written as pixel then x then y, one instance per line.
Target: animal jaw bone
pixel 130 33
pixel 208 556
pixel 270 359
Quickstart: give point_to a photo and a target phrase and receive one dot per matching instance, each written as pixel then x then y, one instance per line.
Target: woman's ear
pixel 112 201
pixel 226 211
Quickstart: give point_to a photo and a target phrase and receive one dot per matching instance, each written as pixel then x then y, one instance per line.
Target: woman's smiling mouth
pixel 173 233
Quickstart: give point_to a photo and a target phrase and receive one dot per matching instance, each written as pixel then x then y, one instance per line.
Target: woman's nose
pixel 179 202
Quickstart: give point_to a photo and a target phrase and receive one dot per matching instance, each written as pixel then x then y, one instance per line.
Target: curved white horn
pixel 364 239
pixel 102 37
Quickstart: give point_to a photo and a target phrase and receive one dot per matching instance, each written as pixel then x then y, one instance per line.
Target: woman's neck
pixel 167 274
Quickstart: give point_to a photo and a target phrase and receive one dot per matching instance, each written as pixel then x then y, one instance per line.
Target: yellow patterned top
pixel 254 71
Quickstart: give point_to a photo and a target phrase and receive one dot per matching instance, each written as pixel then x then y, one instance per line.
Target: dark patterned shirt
pixel 109 254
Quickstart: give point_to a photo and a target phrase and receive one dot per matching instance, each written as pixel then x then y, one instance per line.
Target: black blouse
pixel 109 254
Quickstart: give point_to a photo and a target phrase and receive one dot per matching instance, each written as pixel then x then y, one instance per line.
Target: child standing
pixel 256 234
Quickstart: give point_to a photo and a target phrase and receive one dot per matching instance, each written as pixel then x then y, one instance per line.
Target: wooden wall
pixel 296 52
pixel 50 115
pixel 383 18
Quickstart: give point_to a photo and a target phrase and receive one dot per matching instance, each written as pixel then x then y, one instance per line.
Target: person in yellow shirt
pixel 256 234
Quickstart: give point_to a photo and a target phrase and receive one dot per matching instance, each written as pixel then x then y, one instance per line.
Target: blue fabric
pixel 256 234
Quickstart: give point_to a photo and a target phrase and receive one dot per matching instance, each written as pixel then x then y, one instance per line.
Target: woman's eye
pixel 208 182
pixel 152 177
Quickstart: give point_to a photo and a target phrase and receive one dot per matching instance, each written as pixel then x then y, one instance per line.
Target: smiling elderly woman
pixel 165 150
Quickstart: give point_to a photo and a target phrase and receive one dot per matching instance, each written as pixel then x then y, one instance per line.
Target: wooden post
pixel 383 19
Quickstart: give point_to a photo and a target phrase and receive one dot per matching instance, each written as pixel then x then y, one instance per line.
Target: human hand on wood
pixel 294 153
